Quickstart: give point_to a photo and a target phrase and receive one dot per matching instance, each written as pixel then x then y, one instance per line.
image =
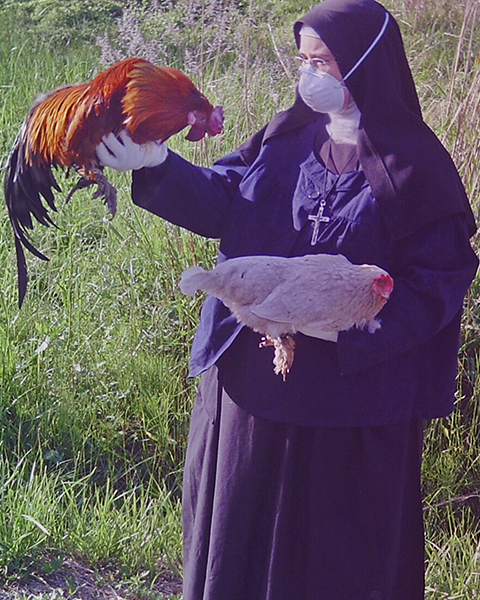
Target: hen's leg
pixel 284 352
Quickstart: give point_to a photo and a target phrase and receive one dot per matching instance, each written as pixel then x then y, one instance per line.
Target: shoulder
pixel 292 120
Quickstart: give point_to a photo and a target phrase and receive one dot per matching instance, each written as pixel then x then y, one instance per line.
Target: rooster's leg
pixel 105 188
pixel 284 352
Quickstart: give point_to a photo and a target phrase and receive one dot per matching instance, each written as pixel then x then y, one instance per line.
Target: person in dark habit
pixel 309 488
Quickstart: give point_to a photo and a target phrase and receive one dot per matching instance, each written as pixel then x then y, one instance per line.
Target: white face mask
pixel 321 92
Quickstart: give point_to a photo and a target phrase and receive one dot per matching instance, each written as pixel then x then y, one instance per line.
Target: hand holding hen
pixel 278 296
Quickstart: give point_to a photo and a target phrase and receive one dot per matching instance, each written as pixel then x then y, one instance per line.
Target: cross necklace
pixel 318 218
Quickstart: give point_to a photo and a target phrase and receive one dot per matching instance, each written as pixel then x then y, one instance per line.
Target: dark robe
pixel 310 489
pixel 273 511
pixel 403 371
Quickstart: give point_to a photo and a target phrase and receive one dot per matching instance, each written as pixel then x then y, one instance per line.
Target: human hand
pixel 123 154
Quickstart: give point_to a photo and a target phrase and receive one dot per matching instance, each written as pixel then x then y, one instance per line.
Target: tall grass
pixel 94 398
pixel 94 395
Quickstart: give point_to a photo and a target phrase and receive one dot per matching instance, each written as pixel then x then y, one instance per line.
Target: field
pixel 94 395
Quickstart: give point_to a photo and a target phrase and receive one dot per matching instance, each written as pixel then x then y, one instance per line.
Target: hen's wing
pixel 319 287
pixel 299 303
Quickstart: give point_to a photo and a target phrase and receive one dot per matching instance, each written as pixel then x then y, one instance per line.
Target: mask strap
pixel 370 48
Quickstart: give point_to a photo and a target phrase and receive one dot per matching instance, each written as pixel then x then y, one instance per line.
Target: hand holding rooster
pixel 123 154
pixel 135 100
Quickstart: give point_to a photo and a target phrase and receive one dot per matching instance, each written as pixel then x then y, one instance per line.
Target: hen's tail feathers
pixel 192 280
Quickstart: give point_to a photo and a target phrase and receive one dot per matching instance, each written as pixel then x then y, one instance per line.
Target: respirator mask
pixel 320 91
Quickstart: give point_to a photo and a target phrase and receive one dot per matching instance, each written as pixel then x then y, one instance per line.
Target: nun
pixel 309 489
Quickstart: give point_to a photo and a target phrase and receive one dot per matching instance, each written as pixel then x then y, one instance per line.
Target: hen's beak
pixel 383 285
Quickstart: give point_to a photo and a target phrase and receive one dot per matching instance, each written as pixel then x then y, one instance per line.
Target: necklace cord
pixel 319 217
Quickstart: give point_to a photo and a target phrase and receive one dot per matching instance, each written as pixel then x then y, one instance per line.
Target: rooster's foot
pixel 104 188
pixel 107 190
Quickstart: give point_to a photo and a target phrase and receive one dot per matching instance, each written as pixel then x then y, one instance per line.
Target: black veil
pixel 412 176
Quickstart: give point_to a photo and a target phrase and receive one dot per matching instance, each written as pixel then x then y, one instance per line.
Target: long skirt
pixel 275 511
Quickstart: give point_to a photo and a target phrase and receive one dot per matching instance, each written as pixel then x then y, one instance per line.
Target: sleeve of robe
pixel 435 267
pixel 192 197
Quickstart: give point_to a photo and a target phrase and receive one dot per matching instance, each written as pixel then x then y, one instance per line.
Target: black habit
pixel 310 490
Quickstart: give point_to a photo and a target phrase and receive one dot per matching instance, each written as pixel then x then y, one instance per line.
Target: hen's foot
pixel 284 352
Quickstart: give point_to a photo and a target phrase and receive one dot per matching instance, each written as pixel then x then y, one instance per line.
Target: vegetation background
pixel 94 395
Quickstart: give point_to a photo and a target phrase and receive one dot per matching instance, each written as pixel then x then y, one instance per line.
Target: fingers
pixel 104 155
pixel 120 152
pixel 112 151
pixel 125 138
pixel 113 143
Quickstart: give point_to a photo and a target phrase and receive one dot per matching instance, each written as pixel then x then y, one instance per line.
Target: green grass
pixel 94 395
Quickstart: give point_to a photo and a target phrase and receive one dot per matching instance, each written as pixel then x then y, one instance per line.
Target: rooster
pixel 63 128
pixel 278 296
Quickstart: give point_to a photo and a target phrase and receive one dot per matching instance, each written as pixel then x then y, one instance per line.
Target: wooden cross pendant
pixel 318 219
